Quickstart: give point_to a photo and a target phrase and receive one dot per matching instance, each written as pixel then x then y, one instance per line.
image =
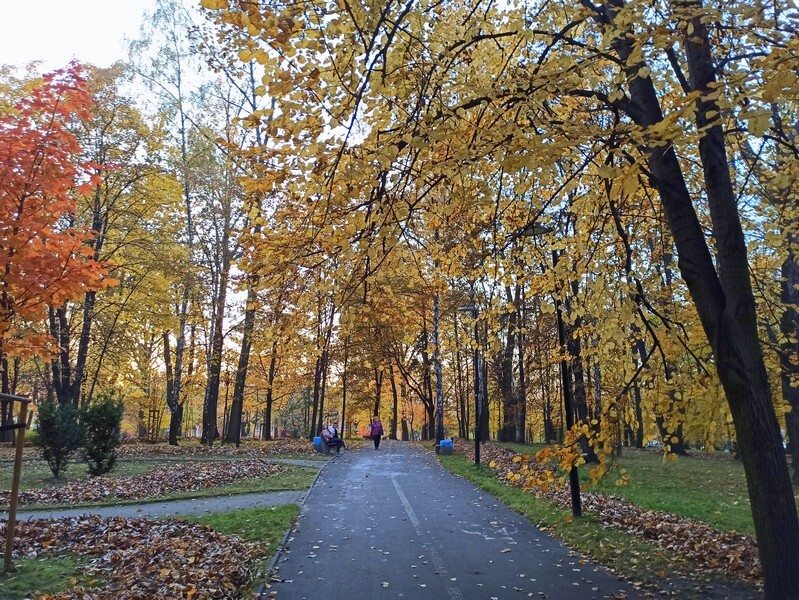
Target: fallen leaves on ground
pixel 706 547
pixel 142 559
pixel 188 447
pixel 174 478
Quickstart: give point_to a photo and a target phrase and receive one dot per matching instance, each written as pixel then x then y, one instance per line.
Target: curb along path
pixel 393 523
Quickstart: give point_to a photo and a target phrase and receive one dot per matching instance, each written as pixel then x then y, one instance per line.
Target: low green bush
pixel 101 422
pixel 59 435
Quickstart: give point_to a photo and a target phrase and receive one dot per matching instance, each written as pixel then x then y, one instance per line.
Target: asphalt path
pixel 393 523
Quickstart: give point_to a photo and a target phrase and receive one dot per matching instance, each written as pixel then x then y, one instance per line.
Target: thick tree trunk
pixel 725 304
pixel 789 327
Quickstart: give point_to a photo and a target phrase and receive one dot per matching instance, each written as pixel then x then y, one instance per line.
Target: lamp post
pixel 478 382
pixel 530 230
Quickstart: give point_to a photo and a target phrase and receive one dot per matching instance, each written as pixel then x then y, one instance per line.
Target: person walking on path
pixel 398 526
pixel 377 431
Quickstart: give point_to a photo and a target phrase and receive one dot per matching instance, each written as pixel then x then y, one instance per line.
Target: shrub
pixel 102 426
pixel 59 434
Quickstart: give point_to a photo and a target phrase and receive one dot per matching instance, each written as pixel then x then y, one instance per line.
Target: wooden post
pixel 12 508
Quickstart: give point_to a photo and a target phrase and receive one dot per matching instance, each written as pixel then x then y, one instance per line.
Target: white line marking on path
pixel 453 591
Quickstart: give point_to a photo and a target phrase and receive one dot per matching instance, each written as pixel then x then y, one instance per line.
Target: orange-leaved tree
pixel 44 259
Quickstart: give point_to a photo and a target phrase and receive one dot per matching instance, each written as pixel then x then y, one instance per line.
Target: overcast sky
pixel 56 31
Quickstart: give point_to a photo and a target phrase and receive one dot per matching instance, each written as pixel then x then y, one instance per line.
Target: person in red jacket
pixel 376 431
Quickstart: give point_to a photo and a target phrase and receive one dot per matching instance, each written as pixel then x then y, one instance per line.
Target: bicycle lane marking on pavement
pixel 453 591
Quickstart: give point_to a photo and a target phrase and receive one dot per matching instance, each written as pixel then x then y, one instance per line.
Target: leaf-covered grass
pixel 291 478
pixel 266 525
pixel 710 488
pixel 34 576
pixel 36 474
pixel 630 556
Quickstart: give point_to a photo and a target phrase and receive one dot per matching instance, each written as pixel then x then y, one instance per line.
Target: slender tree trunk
pixel 507 431
pixel 270 394
pixel 316 410
pixel 439 418
pixel 521 420
pixel 460 391
pixel 234 433
pixel 377 373
pixel 395 402
pixel 575 349
pixel 344 385
pixel 210 407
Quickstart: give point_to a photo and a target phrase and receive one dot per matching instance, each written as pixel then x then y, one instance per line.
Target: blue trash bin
pixel 445 447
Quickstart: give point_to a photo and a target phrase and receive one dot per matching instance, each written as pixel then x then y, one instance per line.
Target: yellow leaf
pixel 214 4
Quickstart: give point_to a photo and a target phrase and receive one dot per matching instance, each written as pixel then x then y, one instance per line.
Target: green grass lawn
pixel 34 576
pixel 712 490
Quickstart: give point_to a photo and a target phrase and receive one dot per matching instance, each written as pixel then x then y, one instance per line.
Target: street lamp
pixel 531 230
pixel 478 382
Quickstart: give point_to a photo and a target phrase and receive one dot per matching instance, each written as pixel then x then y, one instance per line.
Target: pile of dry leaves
pixel 174 478
pixel 137 449
pixel 190 448
pixel 710 548
pixel 142 559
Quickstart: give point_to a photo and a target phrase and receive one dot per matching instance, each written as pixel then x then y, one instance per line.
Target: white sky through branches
pixel 56 31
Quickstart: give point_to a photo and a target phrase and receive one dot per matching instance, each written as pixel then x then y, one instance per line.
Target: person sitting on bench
pixel 330 437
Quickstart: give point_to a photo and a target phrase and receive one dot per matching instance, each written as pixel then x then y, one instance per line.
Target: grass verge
pixel 35 576
pixel 643 563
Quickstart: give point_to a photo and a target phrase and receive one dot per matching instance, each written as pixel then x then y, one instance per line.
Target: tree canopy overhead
pixel 610 132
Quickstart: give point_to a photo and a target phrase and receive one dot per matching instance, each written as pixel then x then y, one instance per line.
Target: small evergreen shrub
pixel 102 426
pixel 59 435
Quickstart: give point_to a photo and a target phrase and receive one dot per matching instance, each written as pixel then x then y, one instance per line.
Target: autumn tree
pixel 46 259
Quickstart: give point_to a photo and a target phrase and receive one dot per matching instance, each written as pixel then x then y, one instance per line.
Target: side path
pixel 393 523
